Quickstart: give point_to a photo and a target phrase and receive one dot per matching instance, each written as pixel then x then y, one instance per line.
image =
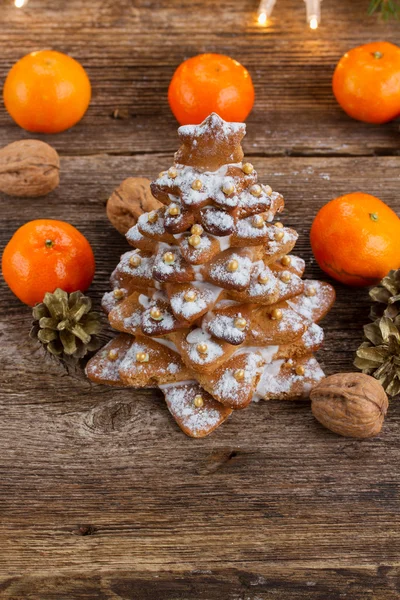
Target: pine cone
pixel 66 326
pixel 380 355
pixel 386 296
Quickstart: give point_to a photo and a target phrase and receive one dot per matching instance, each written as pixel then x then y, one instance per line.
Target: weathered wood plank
pixel 131 52
pixel 233 584
pixel 100 480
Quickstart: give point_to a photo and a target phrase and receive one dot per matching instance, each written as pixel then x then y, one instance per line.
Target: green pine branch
pixel 389 9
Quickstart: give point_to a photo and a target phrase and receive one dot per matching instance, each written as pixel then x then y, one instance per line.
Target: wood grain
pixel 101 495
pixel 131 50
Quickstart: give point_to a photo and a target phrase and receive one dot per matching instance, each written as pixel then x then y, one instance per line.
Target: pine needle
pixel 389 9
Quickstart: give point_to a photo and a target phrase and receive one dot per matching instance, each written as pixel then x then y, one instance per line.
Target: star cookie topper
pixel 211 144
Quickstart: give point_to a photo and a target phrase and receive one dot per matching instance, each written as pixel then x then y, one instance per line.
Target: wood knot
pixel 110 417
pixel 84 530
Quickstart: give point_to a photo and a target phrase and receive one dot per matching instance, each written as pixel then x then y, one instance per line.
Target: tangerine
pixel 366 82
pixel 355 239
pixel 210 83
pixel 44 255
pixel 47 92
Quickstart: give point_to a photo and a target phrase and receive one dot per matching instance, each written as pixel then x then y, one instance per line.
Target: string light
pixel 313 8
pixel 20 3
pixel 265 11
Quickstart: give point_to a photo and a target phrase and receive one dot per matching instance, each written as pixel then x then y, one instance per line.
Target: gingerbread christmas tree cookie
pixel 210 302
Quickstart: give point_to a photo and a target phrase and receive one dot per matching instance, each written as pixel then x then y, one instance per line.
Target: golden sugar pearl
pixel 194 240
pixel 190 296
pixel 156 314
pixel 258 222
pixel 202 348
pixel 276 314
pixel 228 189
pixel 142 357
pixel 197 185
pixel 310 291
pixel 119 294
pixel 152 217
pixel 172 173
pixel 286 261
pixel 196 229
pixel 174 210
pixel 240 323
pixel 247 168
pixel 161 174
pixel 239 374
pixel 232 265
pixel 169 258
pixel 263 278
pixel 268 190
pixel 279 236
pixel 198 401
pixel 256 190
pixel 135 260
pixel 112 354
pixel 285 277
pixel 279 225
pixel 300 370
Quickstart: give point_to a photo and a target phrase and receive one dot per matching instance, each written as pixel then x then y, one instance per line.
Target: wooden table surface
pixel 101 495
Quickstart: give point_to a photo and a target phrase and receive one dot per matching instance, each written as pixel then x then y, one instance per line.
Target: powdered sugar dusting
pixel 217 220
pixel 133 235
pixel 313 336
pixel 214 350
pixel 229 389
pixel 310 306
pixel 110 301
pixel 222 327
pixel 206 296
pixel 180 402
pixel 240 277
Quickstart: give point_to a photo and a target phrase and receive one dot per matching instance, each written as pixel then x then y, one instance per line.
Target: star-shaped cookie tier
pixel 211 144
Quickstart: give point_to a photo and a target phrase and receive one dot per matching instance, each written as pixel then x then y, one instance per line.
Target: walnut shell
pixel 128 201
pixel 350 404
pixel 29 168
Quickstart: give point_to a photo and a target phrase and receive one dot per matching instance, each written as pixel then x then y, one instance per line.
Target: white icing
pixel 197 336
pixel 267 352
pixel 268 383
pixel 168 344
pixel 144 301
pixel 224 242
pixel 197 272
pixel 226 303
pixel 167 386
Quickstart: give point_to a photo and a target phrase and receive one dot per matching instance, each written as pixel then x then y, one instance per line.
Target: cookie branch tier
pixel 209 303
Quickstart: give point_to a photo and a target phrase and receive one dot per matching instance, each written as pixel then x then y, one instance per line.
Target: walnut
pixel 350 404
pixel 29 168
pixel 128 201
